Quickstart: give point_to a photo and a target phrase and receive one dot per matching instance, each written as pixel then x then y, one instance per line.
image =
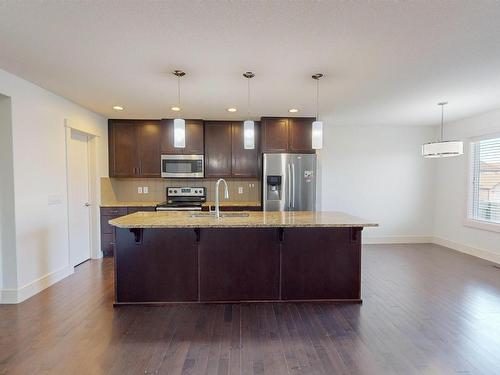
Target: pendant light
pixel 317 126
pixel 248 125
pixel 179 123
pixel 442 149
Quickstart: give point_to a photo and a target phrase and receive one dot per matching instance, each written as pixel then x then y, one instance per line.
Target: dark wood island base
pixel 213 265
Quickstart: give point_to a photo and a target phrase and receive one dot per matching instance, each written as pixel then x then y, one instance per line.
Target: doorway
pixel 79 197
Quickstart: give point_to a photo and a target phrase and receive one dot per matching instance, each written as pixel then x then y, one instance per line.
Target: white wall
pixel 38 118
pixel 451 192
pixel 8 265
pixel 378 173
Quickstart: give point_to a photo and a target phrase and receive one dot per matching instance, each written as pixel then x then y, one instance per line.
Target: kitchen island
pixel 164 257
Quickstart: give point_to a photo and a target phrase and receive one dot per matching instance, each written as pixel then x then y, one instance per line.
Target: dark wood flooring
pixel 426 310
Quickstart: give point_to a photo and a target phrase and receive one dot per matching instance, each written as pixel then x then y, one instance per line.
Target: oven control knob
pixel 175 191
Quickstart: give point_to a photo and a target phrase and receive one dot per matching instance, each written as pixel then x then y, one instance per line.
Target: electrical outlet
pixel 139 190
pixel 251 185
pixel 145 190
pixel 240 189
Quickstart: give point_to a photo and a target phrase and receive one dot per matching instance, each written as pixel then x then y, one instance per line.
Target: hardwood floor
pixel 426 310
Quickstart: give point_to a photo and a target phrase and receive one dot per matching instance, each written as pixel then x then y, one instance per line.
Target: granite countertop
pixel 254 219
pixel 130 204
pixel 154 203
pixel 234 203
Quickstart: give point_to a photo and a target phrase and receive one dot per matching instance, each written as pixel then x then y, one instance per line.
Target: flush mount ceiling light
pixel 231 109
pixel 317 126
pixel 176 109
pixel 293 110
pixel 179 123
pixel 442 149
pixel 118 108
pixel 248 125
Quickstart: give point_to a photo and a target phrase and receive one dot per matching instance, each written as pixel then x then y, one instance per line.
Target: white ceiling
pixel 386 63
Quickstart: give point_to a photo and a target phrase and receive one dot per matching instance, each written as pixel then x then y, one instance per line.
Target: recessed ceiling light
pixel 176 109
pixel 118 108
pixel 293 110
pixel 231 109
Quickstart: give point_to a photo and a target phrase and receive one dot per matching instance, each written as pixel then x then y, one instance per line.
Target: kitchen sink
pixel 222 214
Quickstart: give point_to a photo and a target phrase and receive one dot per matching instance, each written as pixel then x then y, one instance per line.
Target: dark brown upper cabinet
pixel 292 134
pixel 225 155
pixel 300 134
pixel 244 163
pixel 218 149
pixel 134 148
pixel 274 135
pixel 194 138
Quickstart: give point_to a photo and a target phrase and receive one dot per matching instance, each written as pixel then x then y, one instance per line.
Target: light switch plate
pixel 240 189
pixel 145 189
pixel 139 190
pixel 54 199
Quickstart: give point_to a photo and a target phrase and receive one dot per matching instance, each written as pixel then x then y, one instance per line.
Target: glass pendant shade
pixel 442 149
pixel 317 135
pixel 249 135
pixel 179 133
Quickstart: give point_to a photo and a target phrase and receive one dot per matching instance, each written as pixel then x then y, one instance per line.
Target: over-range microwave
pixel 182 166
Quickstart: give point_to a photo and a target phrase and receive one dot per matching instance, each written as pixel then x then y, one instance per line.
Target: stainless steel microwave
pixel 182 166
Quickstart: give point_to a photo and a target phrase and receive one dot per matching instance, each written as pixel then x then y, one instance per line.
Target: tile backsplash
pixel 126 189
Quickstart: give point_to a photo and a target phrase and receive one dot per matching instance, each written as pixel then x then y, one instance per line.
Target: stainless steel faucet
pixel 226 196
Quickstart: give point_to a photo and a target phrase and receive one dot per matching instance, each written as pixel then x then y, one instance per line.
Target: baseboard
pixel 396 239
pixel 9 296
pixel 474 251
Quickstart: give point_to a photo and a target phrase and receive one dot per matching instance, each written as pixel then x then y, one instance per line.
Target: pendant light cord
pixel 317 100
pixel 248 97
pixel 442 122
pixel 179 91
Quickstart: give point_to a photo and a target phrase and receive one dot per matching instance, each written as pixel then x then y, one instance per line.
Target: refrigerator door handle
pixel 293 185
pixel 289 186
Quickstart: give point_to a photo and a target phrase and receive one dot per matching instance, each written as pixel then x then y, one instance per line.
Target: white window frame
pixel 468 221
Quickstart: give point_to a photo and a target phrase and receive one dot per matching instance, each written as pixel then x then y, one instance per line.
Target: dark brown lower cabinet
pixel 108 231
pixel 108 235
pixel 239 264
pixel 320 263
pixel 161 267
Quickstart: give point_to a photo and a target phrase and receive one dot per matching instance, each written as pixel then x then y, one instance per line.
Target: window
pixel 484 185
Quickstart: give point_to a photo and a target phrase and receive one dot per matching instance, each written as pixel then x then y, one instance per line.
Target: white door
pixel 78 198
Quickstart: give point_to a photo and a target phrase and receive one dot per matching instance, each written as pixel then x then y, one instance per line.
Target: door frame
pixel 93 162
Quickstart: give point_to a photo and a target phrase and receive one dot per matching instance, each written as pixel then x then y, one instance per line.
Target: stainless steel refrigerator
pixel 289 182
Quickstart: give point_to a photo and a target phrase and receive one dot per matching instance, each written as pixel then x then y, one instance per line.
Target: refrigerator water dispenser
pixel 273 188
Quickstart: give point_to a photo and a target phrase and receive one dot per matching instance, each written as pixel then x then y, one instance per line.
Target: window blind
pixel 484 192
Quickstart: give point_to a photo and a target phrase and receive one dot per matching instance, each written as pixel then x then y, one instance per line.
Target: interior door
pixel 78 198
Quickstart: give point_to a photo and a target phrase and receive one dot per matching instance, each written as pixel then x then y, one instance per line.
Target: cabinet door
pixel 300 134
pixel 275 135
pixel 217 149
pixel 329 269
pixel 245 163
pixel 194 138
pixel 249 272
pixel 167 138
pixel 149 148
pixel 123 155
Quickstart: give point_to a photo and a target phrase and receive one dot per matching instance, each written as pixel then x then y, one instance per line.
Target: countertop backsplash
pixel 126 189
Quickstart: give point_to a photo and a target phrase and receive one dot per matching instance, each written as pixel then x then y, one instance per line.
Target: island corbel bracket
pixel 137 232
pixel 356 234
pixel 281 234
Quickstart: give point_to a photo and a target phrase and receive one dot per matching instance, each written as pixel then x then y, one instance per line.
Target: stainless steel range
pixel 183 199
